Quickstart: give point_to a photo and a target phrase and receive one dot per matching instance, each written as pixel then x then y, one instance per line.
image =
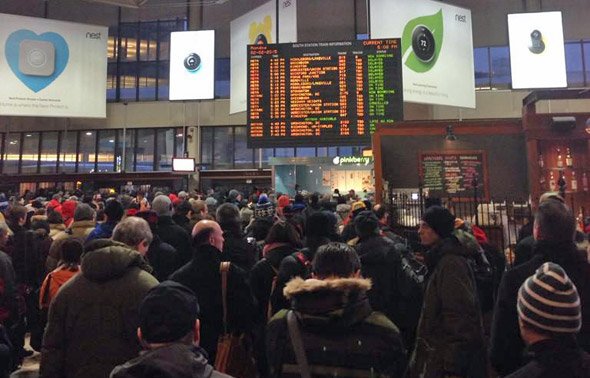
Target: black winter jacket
pixel 170 361
pixel 162 258
pixel 237 250
pixel 202 276
pixel 177 237
pixel 555 358
pixel 506 351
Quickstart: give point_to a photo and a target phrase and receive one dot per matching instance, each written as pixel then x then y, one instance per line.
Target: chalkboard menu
pixel 452 173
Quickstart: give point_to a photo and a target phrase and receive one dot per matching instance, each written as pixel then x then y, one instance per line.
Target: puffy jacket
pixel 101 231
pixel 170 361
pixel 55 280
pixel 450 332
pixel 92 324
pixel 171 233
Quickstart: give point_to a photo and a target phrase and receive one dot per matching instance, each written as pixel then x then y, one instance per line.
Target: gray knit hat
pixel 549 302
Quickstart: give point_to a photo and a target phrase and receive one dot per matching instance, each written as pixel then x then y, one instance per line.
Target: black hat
pixel 440 220
pixel 167 313
pixel 366 223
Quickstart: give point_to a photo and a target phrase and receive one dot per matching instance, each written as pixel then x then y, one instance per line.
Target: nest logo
pixel 36 60
pixel 422 40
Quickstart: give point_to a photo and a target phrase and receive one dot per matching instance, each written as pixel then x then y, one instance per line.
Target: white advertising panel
pixel 537 53
pixel 437 49
pixel 183 165
pixel 257 26
pixel 52 68
pixel 192 65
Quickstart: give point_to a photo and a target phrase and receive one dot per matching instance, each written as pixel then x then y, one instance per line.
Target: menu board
pixel 452 173
pixel 322 93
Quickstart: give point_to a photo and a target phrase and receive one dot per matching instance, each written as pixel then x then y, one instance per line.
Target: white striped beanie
pixel 548 301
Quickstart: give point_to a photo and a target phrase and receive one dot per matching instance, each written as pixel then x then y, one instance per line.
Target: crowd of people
pixel 265 285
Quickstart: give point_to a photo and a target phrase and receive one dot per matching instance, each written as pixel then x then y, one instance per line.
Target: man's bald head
pixel 208 232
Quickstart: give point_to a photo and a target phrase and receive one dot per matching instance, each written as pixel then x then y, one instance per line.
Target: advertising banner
pixel 52 68
pixel 437 49
pixel 537 53
pixel 192 65
pixel 258 26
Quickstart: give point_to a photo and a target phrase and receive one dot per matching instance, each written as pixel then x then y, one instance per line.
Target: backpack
pixel 275 277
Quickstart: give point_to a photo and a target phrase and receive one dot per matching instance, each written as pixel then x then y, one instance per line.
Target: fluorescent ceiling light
pixel 121 3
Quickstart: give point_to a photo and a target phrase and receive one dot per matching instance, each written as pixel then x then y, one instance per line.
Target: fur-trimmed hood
pixel 299 286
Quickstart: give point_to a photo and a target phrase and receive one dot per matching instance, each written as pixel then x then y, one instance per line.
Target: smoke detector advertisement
pixel 192 65
pixel 537 53
pixel 437 49
pixel 52 68
pixel 258 26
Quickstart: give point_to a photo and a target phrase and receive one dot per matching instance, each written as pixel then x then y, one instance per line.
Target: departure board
pixel 322 93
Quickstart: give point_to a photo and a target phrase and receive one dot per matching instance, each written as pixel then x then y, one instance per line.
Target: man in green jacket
pixel 93 319
pixel 449 339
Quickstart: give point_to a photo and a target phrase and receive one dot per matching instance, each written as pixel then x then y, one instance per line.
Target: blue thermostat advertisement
pixel 52 68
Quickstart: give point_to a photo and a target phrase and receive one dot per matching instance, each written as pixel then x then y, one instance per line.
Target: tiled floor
pixel 30 368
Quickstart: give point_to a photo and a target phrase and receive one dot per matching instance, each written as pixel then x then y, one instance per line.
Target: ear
pixel 139 335
pixel 357 274
pixel 197 332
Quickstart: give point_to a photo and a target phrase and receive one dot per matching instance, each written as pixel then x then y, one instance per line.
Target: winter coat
pixel 450 333
pixel 102 231
pixel 506 346
pixel 59 277
pixel 237 250
pixel 23 248
pixel 79 230
pixel 183 222
pixel 339 329
pixel 202 275
pixel 170 361
pixel 396 292
pixel 8 292
pixel 555 358
pixel 44 243
pixel 162 257
pixel 92 324
pixel 177 237
pixel 56 228
pixel 68 208
pixel 523 251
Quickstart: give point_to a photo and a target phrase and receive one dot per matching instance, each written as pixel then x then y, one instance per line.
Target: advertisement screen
pixel 183 165
pixel 437 49
pixel 52 68
pixel 322 93
pixel 537 53
pixel 257 27
pixel 192 65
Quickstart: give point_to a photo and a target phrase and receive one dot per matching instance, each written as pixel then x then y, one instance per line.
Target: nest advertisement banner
pixel 192 65
pixel 437 49
pixel 537 52
pixel 256 27
pixel 52 68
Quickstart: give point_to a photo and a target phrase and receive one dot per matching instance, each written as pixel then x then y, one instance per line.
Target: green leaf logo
pixel 422 41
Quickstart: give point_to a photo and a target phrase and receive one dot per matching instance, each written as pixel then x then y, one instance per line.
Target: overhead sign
pixel 52 68
pixel 437 49
pixel 352 160
pixel 257 27
pixel 537 52
pixel 192 65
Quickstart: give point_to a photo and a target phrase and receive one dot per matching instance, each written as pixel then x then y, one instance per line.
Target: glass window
pixel 87 153
pixel 147 81
pixel 148 41
pixel 267 153
pixel 222 78
pixel 129 42
pixel 119 151
pixel 112 81
pixel 223 148
pixel 243 156
pixel 145 150
pixel 586 48
pixel 166 27
pixel 112 44
pixel 128 73
pixel 163 76
pixel 49 152
pixel 67 153
pixel 11 153
pixel 165 149
pixel 129 150
pixel 501 74
pixel 207 147
pixel 332 151
pixel 574 64
pixel 481 62
pixel 284 152
pixel 179 142
pixel 345 151
pixel 106 150
pixel 305 151
pixel 30 158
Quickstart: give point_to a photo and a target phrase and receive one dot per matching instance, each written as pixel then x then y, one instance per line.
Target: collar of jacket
pixel 339 302
pixel 106 259
pixel 83 224
pixel 447 246
pixel 165 220
pixel 555 250
pixel 207 251
pixel 554 351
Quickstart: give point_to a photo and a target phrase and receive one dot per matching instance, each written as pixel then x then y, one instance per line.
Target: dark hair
pixel 314 198
pixel 202 237
pixel 183 208
pixel 555 221
pixel 228 217
pixel 298 198
pixel 15 213
pixel 283 232
pixel 71 251
pixel 335 259
pixel 114 210
pixel 321 224
pixel 40 224
pixel 260 228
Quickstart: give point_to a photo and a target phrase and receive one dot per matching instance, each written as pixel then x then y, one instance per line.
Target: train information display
pixel 322 93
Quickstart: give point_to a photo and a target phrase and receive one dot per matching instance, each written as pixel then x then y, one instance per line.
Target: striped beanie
pixel 548 302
